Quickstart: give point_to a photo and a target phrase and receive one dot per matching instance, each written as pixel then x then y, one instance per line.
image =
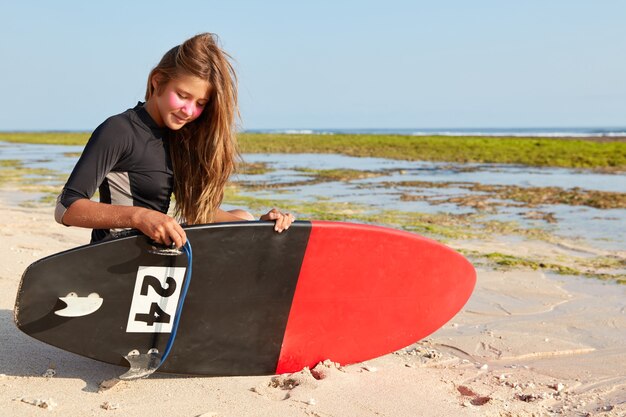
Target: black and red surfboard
pixel 259 302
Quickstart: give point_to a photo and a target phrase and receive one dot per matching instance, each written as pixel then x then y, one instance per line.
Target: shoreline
pixel 527 343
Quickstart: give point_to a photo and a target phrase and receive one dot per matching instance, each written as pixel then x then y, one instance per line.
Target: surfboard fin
pixel 79 306
pixel 142 365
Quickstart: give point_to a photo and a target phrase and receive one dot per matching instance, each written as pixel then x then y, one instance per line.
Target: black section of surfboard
pixel 235 313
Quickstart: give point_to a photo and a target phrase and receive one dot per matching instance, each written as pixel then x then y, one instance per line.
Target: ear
pixel 154 81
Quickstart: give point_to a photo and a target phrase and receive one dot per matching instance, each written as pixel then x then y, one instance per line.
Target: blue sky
pixel 67 65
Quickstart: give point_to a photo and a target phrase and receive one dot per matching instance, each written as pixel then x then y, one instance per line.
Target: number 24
pixel 156 314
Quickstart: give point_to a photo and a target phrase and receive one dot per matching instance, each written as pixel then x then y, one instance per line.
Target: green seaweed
pixel 254 168
pixel 323 175
pixel 10 163
pixel 508 262
pixel 72 154
pixel 574 153
pixel 578 153
pixel 20 175
pixel 533 196
pixel 505 260
pixel 489 196
pixel 48 138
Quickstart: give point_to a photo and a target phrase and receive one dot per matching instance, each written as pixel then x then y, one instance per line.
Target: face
pixel 181 101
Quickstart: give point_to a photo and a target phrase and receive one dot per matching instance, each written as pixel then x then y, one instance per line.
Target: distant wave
pixel 542 134
pixel 292 131
pixel 514 132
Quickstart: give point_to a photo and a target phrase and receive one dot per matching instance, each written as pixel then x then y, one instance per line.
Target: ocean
pixel 555 132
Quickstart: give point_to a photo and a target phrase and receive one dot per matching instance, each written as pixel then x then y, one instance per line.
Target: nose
pixel 188 109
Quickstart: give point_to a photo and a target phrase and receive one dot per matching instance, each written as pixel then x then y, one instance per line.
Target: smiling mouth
pixel 179 119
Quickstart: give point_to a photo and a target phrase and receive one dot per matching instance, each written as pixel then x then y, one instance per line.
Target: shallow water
pixel 604 229
pixel 51 157
pixel 601 228
pixel 445 172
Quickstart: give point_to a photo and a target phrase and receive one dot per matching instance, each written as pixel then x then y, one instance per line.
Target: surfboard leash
pixel 143 365
pixel 181 301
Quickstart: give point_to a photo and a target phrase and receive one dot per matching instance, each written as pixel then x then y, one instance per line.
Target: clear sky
pixel 68 65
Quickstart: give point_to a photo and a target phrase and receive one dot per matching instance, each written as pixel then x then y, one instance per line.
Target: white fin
pixel 142 365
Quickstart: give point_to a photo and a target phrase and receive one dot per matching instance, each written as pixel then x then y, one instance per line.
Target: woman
pixel 181 140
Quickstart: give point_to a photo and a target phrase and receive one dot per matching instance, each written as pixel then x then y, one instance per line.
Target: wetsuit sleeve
pixel 108 145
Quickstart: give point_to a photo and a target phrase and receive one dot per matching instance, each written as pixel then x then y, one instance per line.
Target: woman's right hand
pixel 159 227
pixel 154 224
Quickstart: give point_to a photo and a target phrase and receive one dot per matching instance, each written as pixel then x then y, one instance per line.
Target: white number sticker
pixel 155 298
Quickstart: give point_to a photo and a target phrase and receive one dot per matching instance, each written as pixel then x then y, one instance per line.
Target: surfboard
pixel 259 303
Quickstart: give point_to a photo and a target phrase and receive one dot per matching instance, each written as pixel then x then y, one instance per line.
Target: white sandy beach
pixel 526 344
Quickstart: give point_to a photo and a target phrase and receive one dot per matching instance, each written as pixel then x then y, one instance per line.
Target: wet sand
pixel 526 344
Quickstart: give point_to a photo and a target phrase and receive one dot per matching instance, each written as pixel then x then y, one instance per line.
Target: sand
pixel 526 344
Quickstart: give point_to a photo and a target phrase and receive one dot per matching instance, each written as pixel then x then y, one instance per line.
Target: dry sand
pixel 526 344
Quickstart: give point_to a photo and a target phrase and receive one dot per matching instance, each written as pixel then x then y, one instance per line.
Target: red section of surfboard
pixel 364 291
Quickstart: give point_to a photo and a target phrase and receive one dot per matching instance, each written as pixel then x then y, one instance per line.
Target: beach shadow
pixel 22 355
pixel 25 356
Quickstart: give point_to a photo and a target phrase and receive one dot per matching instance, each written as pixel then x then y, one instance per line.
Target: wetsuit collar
pixel 145 117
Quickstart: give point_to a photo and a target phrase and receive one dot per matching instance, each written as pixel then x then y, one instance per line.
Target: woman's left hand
pixel 283 220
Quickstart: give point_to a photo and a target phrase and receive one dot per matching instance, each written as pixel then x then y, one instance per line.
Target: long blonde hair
pixel 204 152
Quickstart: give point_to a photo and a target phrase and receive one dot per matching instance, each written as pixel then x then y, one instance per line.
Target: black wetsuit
pixel 127 159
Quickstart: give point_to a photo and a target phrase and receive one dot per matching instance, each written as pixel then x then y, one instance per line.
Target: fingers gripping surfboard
pixel 259 303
